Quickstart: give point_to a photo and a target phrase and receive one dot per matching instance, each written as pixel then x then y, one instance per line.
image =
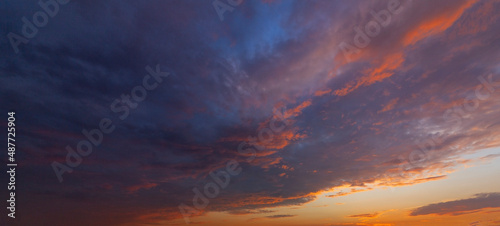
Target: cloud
pixel 395 182
pixel 390 105
pixel 458 207
pixel 135 188
pixel 489 157
pixel 280 216
pixel 272 217
pixel 385 70
pixel 436 24
pixel 349 192
pixel 366 215
pixel 349 121
pixel 248 212
pixel 349 224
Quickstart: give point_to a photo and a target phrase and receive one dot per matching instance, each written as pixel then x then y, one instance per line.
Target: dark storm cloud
pixel 225 78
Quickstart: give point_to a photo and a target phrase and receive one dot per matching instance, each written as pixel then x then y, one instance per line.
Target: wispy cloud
pixel 462 206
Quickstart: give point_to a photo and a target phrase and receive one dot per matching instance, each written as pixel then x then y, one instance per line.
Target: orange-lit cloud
pixel 435 25
pixel 365 215
pixel 385 70
pixel 389 106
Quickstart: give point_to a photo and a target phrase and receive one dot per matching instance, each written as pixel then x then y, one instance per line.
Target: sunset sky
pixel 340 113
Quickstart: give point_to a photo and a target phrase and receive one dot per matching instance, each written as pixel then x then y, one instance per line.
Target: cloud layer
pixel 410 95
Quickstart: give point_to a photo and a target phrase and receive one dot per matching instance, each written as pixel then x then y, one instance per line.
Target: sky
pixel 254 112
